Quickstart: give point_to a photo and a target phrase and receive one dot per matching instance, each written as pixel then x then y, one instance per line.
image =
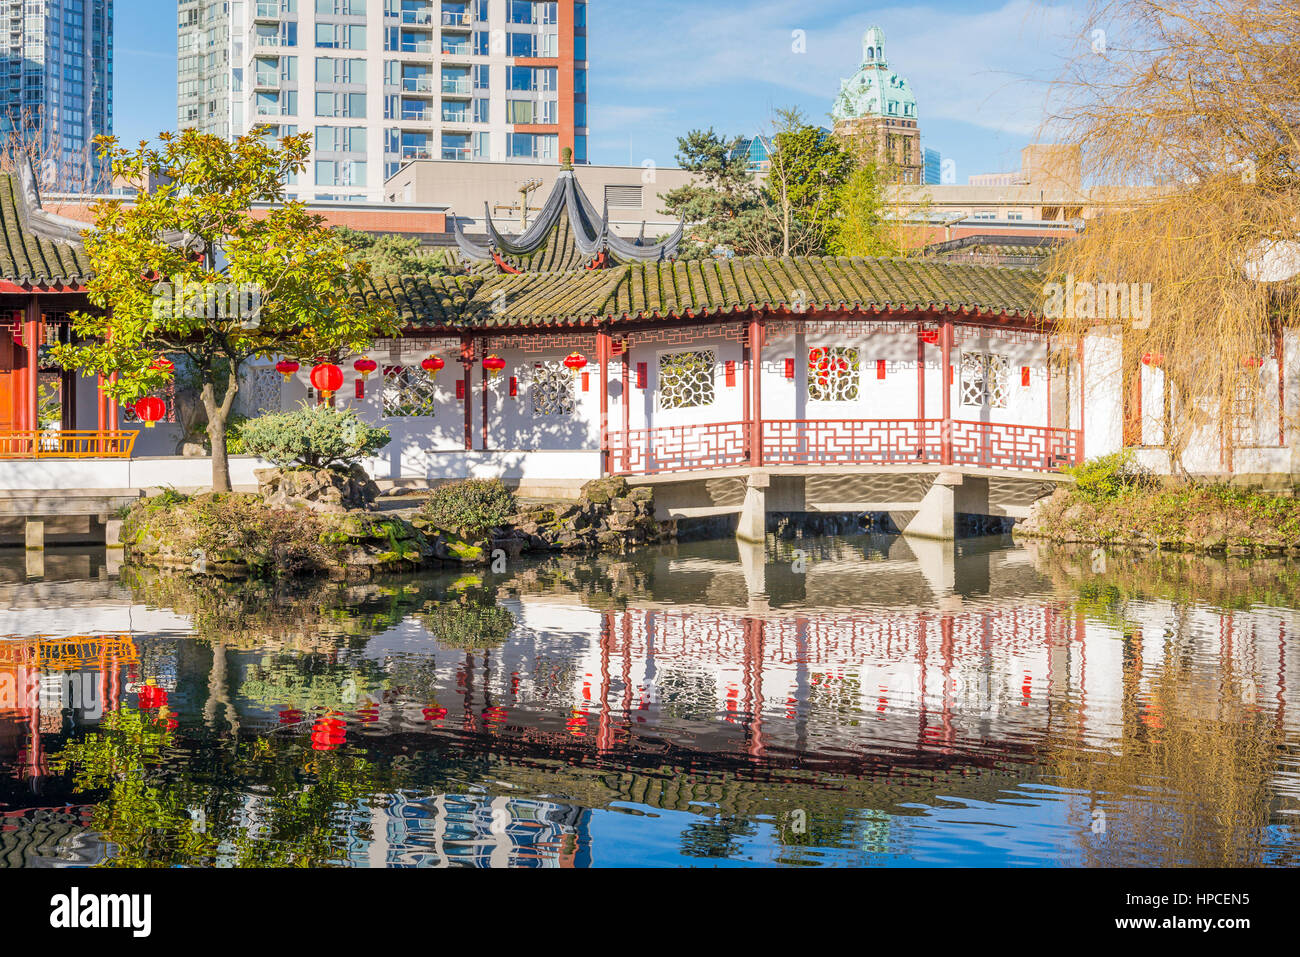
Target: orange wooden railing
pixel 66 445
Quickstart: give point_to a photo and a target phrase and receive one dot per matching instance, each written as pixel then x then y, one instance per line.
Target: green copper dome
pixel 873 90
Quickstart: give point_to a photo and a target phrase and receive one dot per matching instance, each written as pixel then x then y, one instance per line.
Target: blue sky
pixel 979 69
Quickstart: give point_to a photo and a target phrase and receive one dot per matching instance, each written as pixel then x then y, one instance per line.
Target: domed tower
pixel 876 113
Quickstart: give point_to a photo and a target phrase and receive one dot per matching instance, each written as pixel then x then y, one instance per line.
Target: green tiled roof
pixel 710 287
pixel 26 257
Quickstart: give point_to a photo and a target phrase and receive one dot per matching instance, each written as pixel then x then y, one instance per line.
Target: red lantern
pixel 287 368
pixel 433 365
pixel 930 337
pixel 1156 359
pixel 1255 361
pixel 150 409
pixel 575 362
pixel 163 365
pixel 494 364
pixel 365 366
pixel 327 378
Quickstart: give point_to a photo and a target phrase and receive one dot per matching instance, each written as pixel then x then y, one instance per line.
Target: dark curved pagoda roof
pixel 37 248
pixel 568 235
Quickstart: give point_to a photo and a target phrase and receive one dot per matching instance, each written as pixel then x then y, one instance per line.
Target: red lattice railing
pixel 851 441
pixel 66 444
pixel 1029 447
pixel 845 442
pixel 679 448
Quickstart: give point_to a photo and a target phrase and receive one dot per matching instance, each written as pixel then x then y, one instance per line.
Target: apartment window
pixel 579 81
pixel 532 145
pixel 580 47
pixel 341 36
pixel 341 8
pixel 482 76
pixel 580 149
pixel 482 145
pixel 580 113
pixel 532 79
pixel 334 70
pixel 580 15
pixel 341 104
pixel 482 43
pixel 341 139
pixel 482 113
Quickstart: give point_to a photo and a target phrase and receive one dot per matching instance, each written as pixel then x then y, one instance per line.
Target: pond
pixel 821 701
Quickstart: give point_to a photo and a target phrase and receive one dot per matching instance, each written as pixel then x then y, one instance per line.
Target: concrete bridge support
pixel 752 527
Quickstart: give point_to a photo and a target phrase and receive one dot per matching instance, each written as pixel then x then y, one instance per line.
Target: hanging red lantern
pixel 150 409
pixel 164 365
pixel 365 366
pixel 327 378
pixel 494 364
pixel 287 368
pixel 1255 361
pixel 1153 359
pixel 930 337
pixel 575 362
pixel 433 365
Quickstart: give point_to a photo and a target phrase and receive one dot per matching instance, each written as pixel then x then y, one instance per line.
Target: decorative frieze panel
pixel 680 336
pixel 528 343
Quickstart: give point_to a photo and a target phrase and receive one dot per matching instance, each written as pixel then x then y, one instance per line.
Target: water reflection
pixel 818 701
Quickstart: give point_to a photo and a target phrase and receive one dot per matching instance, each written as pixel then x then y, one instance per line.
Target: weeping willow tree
pixel 1198 103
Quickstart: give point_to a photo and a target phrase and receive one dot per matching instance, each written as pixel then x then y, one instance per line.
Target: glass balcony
pixel 417 84
pixel 419 18
pixel 455 116
pixel 416 152
pixel 456 19
pixel 267 10
pixel 455 152
pixel 459 86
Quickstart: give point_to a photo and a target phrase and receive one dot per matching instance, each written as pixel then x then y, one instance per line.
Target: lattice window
pixel 686 379
pixel 833 374
pixel 985 380
pixel 552 390
pixel 408 392
pixel 261 395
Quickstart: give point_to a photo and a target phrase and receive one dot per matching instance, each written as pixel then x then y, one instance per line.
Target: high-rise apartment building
pixel 56 84
pixel 382 82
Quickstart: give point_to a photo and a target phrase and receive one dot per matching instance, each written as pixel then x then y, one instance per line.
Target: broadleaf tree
pixel 189 269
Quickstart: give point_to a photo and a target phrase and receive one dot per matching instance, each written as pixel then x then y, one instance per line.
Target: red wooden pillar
pixel 627 399
pixel 920 391
pixel 483 372
pixel 948 377
pixel 756 392
pixel 113 424
pixel 32 340
pixel 747 378
pixel 466 364
pixel 602 360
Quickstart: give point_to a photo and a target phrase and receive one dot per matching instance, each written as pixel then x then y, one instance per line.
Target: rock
pixel 321 490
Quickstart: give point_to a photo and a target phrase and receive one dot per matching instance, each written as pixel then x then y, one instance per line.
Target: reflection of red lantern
pixel 150 409
pixel 327 378
pixel 434 714
pixel 575 362
pixel 1156 359
pixel 151 697
pixel 328 733
pixel 494 364
pixel 287 368
pixel 290 716
pixel 365 366
pixel 433 365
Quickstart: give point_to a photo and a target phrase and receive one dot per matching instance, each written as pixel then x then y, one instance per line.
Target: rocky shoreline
pixel 300 527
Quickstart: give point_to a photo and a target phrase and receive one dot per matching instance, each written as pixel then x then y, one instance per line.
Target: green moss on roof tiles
pixel 28 258
pixel 709 287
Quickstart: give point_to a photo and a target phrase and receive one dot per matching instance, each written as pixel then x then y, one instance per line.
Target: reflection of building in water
pixel 44 680
pixel 471 830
